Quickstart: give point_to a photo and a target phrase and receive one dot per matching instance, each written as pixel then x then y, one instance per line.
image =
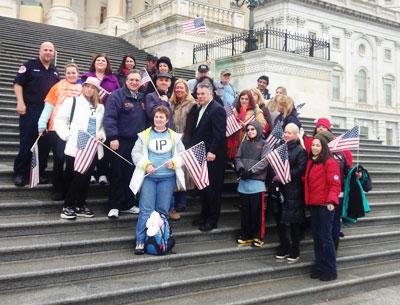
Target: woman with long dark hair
pixel 322 188
pixel 128 63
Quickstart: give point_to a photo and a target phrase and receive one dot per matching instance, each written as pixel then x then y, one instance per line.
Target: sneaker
pixel 93 180
pixel 114 213
pixel 133 210
pixel 103 180
pixel 68 213
pixel 243 241
pixel 173 215
pixel 84 211
pixel 292 259
pixel 257 243
pixel 139 249
pixel 20 181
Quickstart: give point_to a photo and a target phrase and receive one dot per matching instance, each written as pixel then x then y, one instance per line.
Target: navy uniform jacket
pixel 211 129
pixel 36 81
pixel 124 115
pixel 152 101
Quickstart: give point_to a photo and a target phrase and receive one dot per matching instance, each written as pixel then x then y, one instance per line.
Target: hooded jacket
pixel 250 152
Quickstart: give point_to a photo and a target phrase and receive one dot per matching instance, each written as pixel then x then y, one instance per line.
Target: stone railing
pixel 190 9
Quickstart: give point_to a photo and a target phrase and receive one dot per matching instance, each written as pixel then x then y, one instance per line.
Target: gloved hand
pixel 246 175
pixel 240 172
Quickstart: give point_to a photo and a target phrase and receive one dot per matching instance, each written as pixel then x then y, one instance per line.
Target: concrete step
pixel 122 289
pixel 298 289
pixel 66 268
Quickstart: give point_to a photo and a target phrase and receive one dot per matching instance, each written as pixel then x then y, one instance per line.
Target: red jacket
pixel 322 183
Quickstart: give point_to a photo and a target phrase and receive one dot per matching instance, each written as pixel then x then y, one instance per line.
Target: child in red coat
pixel 322 188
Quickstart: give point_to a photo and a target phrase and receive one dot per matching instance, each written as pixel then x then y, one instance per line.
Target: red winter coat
pixel 322 182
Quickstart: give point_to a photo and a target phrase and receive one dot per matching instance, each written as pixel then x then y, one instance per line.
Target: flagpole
pixel 152 83
pixel 358 147
pixel 114 152
pixel 155 169
pixel 37 139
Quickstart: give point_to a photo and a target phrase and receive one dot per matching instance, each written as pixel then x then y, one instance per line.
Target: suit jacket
pixel 211 129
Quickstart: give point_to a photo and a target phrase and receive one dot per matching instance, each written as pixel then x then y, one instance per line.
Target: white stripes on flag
pixel 196 163
pixel 196 25
pixel 34 172
pixel 87 148
pixel 279 160
pixel 347 141
pixel 145 78
pixel 232 125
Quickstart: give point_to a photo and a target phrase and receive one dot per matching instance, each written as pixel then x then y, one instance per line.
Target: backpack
pixel 162 242
pixel 343 165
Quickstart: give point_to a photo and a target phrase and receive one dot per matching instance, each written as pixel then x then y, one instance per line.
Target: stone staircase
pixel 47 260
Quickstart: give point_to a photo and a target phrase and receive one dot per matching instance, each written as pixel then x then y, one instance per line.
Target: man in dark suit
pixel 210 127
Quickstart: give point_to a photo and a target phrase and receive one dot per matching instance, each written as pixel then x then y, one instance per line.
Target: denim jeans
pixel 155 194
pixel 179 198
pixel 324 248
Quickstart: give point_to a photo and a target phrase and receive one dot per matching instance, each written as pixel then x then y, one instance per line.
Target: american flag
pixel 275 136
pixel 103 94
pixel 196 163
pixel 349 140
pixel 34 173
pixel 279 160
pixel 232 125
pixel 299 106
pixel 250 119
pixel 196 25
pixel 145 78
pixel 87 148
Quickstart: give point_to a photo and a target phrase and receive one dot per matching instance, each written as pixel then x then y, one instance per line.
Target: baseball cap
pixel 203 68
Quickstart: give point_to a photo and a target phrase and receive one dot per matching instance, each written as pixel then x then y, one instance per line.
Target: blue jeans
pixel 155 194
pixel 324 248
pixel 179 198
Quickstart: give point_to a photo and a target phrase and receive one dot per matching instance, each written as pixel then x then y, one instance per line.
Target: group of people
pixel 142 129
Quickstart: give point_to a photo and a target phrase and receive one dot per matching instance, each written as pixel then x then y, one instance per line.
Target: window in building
pixel 362 86
pixel 389 136
pixel 335 43
pixel 361 50
pixel 388 54
pixel 364 130
pixel 387 87
pixel 336 87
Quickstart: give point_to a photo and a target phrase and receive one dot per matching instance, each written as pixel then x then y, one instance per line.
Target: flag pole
pixel 37 139
pixel 114 152
pixel 358 147
pixel 152 83
pixel 157 168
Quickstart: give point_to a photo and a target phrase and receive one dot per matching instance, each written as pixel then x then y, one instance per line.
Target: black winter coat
pixel 293 192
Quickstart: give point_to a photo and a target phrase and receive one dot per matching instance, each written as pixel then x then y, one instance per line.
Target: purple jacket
pixel 109 83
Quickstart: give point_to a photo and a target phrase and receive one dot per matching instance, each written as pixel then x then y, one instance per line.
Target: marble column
pixel 137 7
pixel 92 21
pixel 115 23
pixel 61 14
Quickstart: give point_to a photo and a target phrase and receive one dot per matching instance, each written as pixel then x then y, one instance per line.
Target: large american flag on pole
pixel 145 78
pixel 349 140
pixel 275 136
pixel 232 125
pixel 86 150
pixel 196 25
pixel 196 163
pixel 279 160
pixel 34 172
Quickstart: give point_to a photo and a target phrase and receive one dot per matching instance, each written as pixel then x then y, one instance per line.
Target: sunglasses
pixel 250 129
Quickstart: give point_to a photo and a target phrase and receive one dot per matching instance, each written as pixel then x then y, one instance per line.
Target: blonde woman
pixel 87 116
pixel 272 104
pixel 287 111
pixel 262 103
pixel 184 111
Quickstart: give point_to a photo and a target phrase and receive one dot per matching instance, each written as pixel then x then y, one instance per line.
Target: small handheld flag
pixel 279 160
pixel 275 136
pixel 195 161
pixel 232 125
pixel 86 150
pixel 349 140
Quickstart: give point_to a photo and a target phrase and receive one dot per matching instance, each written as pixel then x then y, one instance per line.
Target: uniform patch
pixel 336 178
pixel 22 69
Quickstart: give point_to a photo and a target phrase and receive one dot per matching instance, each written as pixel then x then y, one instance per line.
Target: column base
pixel 114 26
pixel 62 16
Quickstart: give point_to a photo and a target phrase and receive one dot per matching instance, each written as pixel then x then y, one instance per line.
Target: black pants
pixel 103 165
pixel 57 147
pixel 211 195
pixel 251 215
pixel 28 132
pixel 121 197
pixel 291 247
pixel 77 185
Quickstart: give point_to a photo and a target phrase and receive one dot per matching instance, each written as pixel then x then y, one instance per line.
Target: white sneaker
pixel 93 180
pixel 132 210
pixel 114 213
pixel 103 180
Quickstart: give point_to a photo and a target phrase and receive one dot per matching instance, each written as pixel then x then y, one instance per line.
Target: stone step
pixel 66 268
pixel 297 289
pixel 121 289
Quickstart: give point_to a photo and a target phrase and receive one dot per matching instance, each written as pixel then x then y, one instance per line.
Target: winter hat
pixel 324 122
pixel 165 60
pixel 327 135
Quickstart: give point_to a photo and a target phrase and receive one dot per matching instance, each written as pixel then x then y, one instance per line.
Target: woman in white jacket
pixel 84 114
pixel 156 153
